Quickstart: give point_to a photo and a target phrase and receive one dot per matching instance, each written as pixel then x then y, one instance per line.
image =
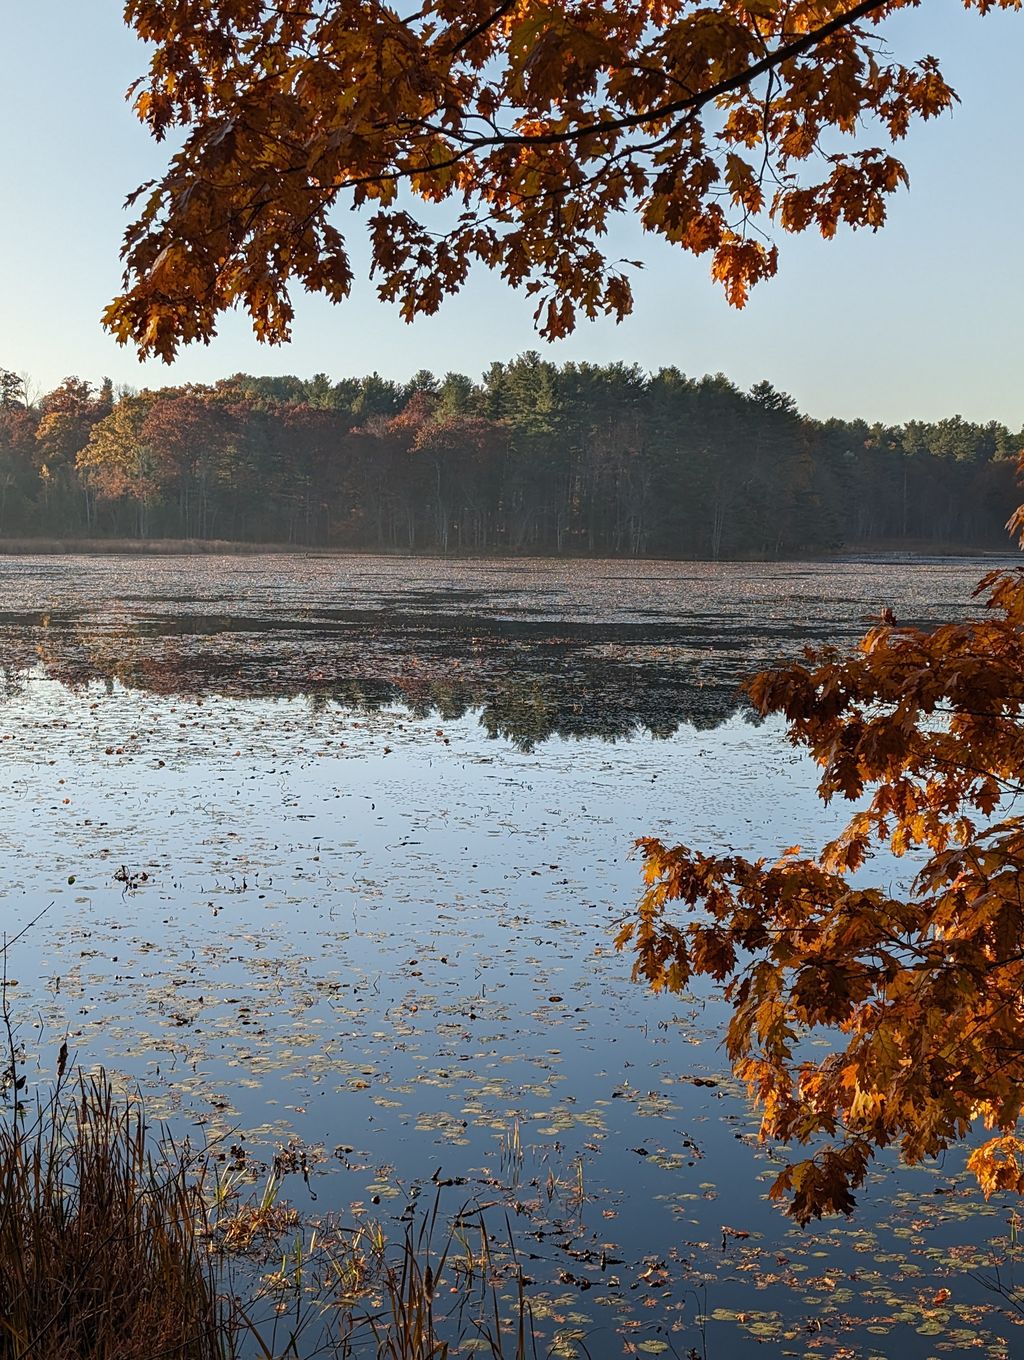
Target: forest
pixel 536 458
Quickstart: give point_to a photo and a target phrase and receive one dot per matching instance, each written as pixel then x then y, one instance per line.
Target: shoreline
pixel 170 547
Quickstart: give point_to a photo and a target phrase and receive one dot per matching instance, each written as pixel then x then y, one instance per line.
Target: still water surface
pixel 336 848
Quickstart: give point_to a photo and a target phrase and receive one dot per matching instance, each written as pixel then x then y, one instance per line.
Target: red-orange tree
pixel 536 122
pixel 923 994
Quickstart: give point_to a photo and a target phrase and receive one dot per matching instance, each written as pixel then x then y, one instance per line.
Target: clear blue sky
pixel 922 319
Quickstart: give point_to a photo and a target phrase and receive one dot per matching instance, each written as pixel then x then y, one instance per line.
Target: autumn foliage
pixel 534 123
pixel 533 458
pixel 922 993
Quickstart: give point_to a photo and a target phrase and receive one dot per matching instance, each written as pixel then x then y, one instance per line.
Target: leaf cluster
pixel 534 123
pixel 921 993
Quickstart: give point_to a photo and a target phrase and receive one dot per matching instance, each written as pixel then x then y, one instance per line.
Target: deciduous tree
pixel 536 123
pixel 67 416
pixel 921 994
pixel 186 435
pixel 120 462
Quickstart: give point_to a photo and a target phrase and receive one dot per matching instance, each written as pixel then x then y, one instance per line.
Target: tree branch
pixel 689 104
pixel 482 27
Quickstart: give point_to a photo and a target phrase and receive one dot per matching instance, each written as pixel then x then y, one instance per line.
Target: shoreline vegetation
pixel 215 547
pixel 118 1240
pixel 532 460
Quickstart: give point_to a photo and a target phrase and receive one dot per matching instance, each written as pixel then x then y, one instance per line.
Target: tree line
pixel 534 458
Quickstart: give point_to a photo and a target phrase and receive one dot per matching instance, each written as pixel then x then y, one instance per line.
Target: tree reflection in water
pixel 528 680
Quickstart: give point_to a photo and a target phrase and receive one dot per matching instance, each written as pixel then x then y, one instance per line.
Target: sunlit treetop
pixel 533 123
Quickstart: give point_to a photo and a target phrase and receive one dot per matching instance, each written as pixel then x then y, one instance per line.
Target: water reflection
pixel 527 680
pixel 537 649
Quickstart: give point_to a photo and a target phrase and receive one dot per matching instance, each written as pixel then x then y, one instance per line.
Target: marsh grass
pixel 115 1245
pixel 103 1238
pixel 142 547
pixel 441 1298
pixel 446 1288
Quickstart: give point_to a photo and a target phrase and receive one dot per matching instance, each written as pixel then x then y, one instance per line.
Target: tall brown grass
pixel 441 1300
pixel 112 1248
pixel 143 547
pixel 103 1238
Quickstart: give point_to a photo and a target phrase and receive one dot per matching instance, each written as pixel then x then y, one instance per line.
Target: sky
pixel 918 321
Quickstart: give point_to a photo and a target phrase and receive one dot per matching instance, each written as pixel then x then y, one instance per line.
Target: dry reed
pixel 102 1240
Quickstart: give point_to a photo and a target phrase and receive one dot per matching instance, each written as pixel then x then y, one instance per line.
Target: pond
pixel 336 848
